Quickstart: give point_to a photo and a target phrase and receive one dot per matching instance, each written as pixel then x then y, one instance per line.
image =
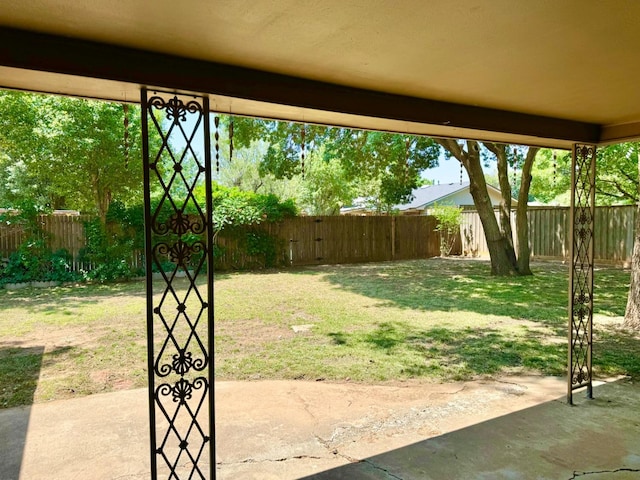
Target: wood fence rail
pixel 351 239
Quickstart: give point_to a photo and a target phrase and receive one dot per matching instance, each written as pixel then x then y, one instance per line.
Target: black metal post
pixel 582 214
pixel 178 248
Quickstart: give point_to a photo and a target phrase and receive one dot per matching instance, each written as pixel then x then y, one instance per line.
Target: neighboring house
pixel 424 198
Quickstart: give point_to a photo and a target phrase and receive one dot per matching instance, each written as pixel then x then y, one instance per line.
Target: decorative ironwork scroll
pixel 179 260
pixel 583 168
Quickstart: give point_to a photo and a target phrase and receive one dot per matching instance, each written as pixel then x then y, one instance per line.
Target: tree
pixel 391 161
pixel 326 187
pixel 551 182
pixel 499 237
pixel 617 173
pixel 69 152
pixel 243 172
pixel 395 161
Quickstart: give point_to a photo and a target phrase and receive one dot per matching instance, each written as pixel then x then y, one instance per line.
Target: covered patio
pixel 510 428
pixel 533 73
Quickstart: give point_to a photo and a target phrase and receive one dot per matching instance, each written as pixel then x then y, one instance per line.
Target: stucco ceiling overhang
pixel 545 72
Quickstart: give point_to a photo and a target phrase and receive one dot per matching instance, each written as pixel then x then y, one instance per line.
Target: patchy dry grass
pixel 436 319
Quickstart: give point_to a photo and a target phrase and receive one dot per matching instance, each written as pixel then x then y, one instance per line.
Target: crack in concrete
pixel 334 451
pixel 577 474
pixel 306 407
pixel 350 459
pixel 377 467
pixel 454 392
pixel 270 460
pixel 509 383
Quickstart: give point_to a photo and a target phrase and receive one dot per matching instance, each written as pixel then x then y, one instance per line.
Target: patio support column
pixel 179 276
pixel 583 167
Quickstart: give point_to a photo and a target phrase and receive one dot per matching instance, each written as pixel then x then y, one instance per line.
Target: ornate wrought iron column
pixel 179 262
pixel 583 169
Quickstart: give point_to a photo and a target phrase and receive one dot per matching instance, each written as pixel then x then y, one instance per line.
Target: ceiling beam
pixel 50 53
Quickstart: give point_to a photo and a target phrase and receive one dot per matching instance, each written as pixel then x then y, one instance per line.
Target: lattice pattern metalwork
pixel 177 176
pixel 581 269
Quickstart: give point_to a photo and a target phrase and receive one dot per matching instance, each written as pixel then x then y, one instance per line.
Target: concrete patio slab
pixel 510 428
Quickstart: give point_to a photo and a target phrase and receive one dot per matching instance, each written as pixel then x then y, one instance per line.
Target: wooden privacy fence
pixel 345 239
pixel 352 239
pixel 299 240
pixel 549 233
pixel 63 232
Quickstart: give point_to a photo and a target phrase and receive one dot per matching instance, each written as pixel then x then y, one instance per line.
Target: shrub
pixel 449 218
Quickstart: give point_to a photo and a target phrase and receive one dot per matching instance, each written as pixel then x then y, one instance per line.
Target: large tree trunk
pixel 522 221
pixel 501 262
pixel 102 198
pixel 632 313
pixel 500 151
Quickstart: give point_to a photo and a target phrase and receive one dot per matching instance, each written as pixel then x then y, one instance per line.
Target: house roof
pixel 542 73
pixel 422 197
pixel 428 194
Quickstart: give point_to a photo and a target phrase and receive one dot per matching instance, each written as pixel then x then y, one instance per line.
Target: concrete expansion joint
pixel 599 472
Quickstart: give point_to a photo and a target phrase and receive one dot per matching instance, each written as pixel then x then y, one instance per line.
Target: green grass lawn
pixel 436 319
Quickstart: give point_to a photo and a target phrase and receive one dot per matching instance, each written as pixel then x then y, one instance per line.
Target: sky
pixel 448 171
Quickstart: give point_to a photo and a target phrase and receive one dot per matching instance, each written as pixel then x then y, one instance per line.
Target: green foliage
pixel 394 161
pixel 617 174
pixel 262 246
pixel 67 152
pixel 325 188
pixel 34 261
pixel 110 254
pixel 235 210
pixel 551 177
pixel 449 218
pixel 233 207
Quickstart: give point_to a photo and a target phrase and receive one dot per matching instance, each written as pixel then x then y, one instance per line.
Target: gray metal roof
pixel 423 196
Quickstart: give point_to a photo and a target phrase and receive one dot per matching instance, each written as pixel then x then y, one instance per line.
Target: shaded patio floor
pixel 510 428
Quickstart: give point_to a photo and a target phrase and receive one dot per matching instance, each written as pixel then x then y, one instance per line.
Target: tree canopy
pixel 390 162
pixel 68 153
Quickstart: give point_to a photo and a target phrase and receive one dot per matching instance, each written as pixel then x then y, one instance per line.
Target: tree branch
pixel 494 148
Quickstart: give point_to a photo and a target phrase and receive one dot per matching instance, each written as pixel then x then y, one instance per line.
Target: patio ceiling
pixel 543 72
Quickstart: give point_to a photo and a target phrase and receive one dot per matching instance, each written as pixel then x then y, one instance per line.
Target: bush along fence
pixel 68 248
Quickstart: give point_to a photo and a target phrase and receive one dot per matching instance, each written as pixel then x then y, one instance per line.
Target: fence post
pixel 393 237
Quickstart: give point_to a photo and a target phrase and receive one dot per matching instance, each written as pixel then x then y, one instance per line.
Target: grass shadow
pixel 461 353
pixel 458 285
pixel 54 299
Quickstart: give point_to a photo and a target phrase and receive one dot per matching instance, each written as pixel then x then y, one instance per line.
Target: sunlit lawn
pixel 436 319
